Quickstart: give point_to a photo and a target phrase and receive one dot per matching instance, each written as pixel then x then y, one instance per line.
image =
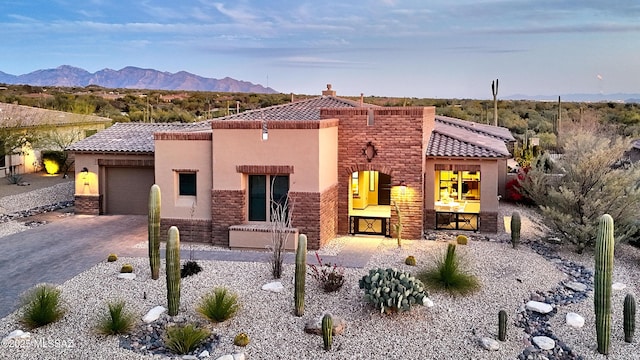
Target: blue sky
pixel 435 48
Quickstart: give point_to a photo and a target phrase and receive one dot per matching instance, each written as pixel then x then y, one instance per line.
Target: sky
pixel 417 48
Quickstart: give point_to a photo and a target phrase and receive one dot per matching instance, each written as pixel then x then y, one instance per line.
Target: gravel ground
pixel 450 329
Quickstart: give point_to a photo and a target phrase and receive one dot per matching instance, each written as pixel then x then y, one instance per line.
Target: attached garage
pixel 127 190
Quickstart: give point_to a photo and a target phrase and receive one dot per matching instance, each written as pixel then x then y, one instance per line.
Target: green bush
pixel 41 306
pixel 53 161
pixel 116 321
pixel 218 305
pixel 448 276
pixel 392 290
pixel 184 339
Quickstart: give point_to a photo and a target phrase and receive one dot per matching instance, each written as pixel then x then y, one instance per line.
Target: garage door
pixel 127 190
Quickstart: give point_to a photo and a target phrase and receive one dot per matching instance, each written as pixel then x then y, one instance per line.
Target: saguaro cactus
pixel 154 231
pixel 502 325
pixel 515 229
pixel 173 271
pixel 602 282
pixel 629 323
pixel 301 273
pixel 327 331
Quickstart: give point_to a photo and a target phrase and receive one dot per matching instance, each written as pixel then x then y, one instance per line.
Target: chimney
pixel 291 97
pixel 328 92
pixel 361 99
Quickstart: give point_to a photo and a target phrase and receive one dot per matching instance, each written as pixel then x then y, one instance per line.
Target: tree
pixel 589 181
pixel 55 139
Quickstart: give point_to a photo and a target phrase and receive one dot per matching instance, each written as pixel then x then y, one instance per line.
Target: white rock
pixel 275 286
pixel 537 306
pixel 154 314
pixel 126 276
pixel 574 320
pixel 618 286
pixel 427 302
pixel 189 357
pixel 204 354
pixel 543 342
pixel 225 357
pixel 576 286
pixel 239 356
pixel 489 344
pixel 18 334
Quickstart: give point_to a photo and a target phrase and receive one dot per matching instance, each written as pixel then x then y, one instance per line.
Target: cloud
pixel 319 62
pixel 238 14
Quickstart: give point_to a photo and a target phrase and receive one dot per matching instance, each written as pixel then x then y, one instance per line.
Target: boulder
pixel 275 286
pixel 489 344
pixel 576 286
pixel 126 276
pixel 427 302
pixel 225 357
pixel 314 326
pixel 239 356
pixel 204 354
pixel 18 334
pixel 540 307
pixel 154 314
pixel 618 286
pixel 543 342
pixel 574 320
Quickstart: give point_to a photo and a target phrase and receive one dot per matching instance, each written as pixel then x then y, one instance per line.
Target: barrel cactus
pixel 462 240
pixel 502 325
pixel 515 229
pixel 602 282
pixel 301 273
pixel 173 271
pixel 629 311
pixel 154 231
pixel 391 290
pixel 242 339
pixel 112 257
pixel 410 260
pixel 126 268
pixel 327 331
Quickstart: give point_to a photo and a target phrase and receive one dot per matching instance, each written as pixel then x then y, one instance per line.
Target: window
pixel 459 185
pixel 355 184
pixel 187 184
pixel 264 192
pixel 2 157
pixel 88 133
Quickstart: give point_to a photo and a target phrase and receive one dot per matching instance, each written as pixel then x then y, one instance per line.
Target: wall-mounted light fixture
pixel 85 175
pixel 403 186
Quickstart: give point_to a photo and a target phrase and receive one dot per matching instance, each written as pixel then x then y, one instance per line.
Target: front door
pixel 384 189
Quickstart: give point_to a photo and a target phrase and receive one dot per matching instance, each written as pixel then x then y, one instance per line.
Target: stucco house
pixel 16 119
pixel 344 165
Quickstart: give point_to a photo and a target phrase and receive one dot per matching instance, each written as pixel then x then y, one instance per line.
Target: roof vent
pixel 328 92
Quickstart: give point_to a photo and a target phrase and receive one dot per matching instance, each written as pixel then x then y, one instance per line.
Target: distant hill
pixel 618 97
pixel 131 78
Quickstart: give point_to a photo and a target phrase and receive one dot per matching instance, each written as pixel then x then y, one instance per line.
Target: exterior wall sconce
pixel 403 186
pixel 85 175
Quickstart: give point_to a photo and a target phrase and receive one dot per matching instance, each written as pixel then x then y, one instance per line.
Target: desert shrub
pixel 392 290
pixel 14 178
pixel 116 321
pixel 218 305
pixel 184 339
pixel 448 276
pixel 41 306
pixel 53 161
pixel 329 276
pixel 190 268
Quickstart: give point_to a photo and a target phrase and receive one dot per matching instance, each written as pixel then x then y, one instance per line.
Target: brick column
pixel 227 208
pixel 88 204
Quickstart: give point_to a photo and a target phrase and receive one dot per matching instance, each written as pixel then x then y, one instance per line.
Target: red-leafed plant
pixel 329 276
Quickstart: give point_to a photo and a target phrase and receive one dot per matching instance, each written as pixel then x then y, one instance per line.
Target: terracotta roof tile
pixel 498 132
pixel 452 140
pixel 130 137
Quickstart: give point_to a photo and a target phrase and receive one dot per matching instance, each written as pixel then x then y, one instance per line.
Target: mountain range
pixel 131 78
pixel 617 97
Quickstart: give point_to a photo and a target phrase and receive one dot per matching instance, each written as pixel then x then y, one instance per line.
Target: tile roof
pixel 498 132
pixel 130 137
pixel 12 115
pixel 300 110
pixel 452 139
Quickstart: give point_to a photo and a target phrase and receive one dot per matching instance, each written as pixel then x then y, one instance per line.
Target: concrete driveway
pixel 56 252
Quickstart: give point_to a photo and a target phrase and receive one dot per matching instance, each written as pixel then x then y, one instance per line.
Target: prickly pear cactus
pixel 502 325
pixel 301 273
pixel 327 331
pixel 154 231
pixel 602 282
pixel 173 271
pixel 515 229
pixel 629 311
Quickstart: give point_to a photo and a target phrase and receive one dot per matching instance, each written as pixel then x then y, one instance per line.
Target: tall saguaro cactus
pixel 154 231
pixel 301 273
pixel 602 282
pixel 327 331
pixel 516 224
pixel 173 271
pixel 494 91
pixel 629 323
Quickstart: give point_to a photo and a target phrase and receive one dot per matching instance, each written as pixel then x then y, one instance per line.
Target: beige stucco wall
pixel 92 183
pixel 313 153
pixel 172 155
pixel 489 179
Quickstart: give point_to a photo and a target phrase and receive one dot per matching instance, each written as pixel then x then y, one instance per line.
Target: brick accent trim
pixel 88 204
pixel 228 207
pixel 191 230
pixel 185 170
pixel 274 124
pixel 265 169
pixel 206 136
pixel 348 170
pixel 489 222
pixel 305 216
pixel 126 163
